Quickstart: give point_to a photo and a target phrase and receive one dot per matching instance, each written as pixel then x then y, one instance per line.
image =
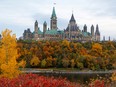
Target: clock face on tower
pixel 54 18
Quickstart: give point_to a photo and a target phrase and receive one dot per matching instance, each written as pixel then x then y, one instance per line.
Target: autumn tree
pixel 96 50
pixel 8 55
pixel 80 62
pixel 72 63
pixel 65 43
pixel 92 55
pixel 49 61
pixel 35 61
pixel 43 63
pixel 65 62
pixel 54 62
pixel 22 63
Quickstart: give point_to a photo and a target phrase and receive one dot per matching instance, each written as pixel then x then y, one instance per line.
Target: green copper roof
pixel 39 32
pixel 54 32
pixel 86 34
pixel 53 13
pixel 60 32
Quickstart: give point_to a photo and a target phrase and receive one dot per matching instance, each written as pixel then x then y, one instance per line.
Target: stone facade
pixel 72 32
pixel 27 35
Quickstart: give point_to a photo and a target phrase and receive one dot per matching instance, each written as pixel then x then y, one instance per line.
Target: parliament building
pixel 71 32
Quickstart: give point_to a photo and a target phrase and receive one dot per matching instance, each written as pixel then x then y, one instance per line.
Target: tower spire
pixel 72 18
pixel 97 33
pixel 92 30
pixel 97 30
pixel 53 13
pixel 36 30
pixel 85 28
pixel 53 22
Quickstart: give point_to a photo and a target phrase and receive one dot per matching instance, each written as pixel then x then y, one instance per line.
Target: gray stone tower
pixel 53 20
pixel 104 38
pixel 72 28
pixel 92 33
pixel 72 22
pixel 36 30
pixel 97 33
pixel 109 38
pixel 44 28
pixel 85 28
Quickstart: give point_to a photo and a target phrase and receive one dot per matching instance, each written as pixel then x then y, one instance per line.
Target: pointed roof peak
pixel 53 13
pixel 45 22
pixel 85 25
pixel 36 21
pixel 72 18
pixel 92 26
pixel 97 27
pixel 97 30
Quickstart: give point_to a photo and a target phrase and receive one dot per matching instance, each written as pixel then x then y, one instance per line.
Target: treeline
pixel 65 54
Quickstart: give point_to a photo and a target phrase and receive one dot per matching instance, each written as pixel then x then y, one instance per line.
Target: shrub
pixel 34 80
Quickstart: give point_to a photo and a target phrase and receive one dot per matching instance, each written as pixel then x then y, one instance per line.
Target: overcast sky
pixel 19 15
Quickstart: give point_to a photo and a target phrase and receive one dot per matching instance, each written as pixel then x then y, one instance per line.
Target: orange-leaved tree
pixel 8 55
pixel 96 50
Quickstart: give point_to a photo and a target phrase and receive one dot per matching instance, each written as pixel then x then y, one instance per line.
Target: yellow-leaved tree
pixel 8 55
pixel 35 61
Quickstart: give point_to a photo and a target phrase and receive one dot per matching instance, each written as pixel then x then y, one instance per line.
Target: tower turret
pixel 109 38
pixel 92 31
pixel 44 28
pixel 36 26
pixel 85 28
pixel 103 38
pixel 36 30
pixel 53 20
pixel 72 30
pixel 97 33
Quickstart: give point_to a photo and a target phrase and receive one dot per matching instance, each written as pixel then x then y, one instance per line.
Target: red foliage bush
pixel 100 83
pixel 97 83
pixel 34 80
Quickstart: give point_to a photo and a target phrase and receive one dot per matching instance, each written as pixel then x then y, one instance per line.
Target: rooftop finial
pixel 54 4
pixel 72 11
